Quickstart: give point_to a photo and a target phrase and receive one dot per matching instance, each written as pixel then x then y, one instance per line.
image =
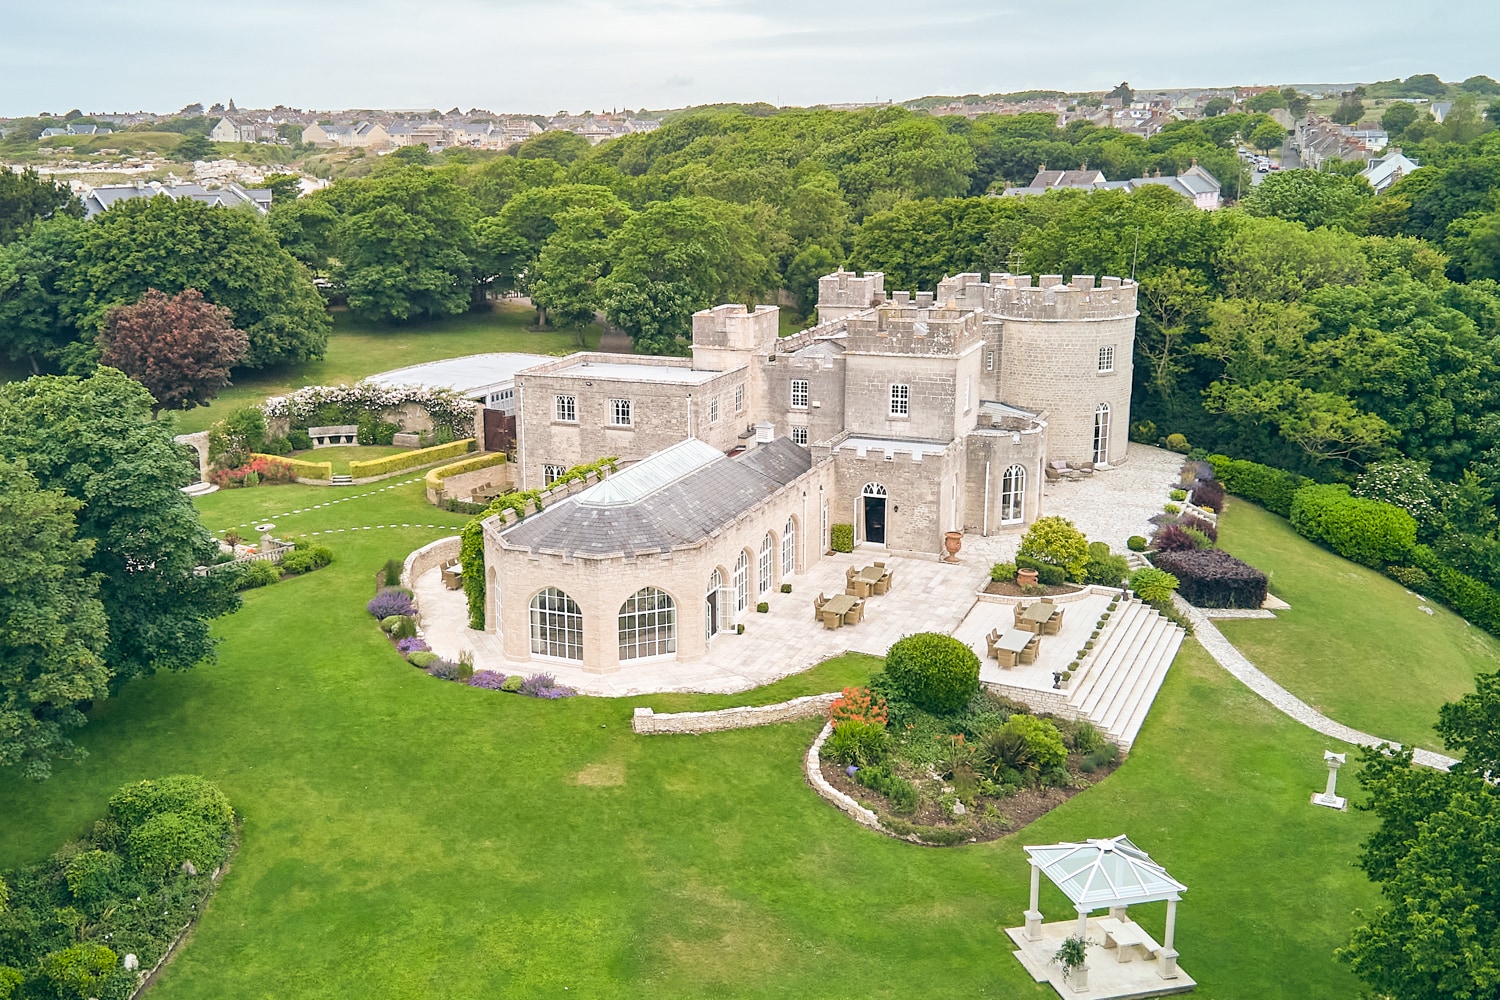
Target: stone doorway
pixel 874 498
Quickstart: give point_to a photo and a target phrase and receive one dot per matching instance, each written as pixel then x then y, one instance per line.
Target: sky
pixel 542 57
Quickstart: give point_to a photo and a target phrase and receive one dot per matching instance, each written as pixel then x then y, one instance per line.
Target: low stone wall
pixel 429 556
pixel 1046 702
pixel 499 478
pixel 647 722
pixel 812 768
pixel 1087 591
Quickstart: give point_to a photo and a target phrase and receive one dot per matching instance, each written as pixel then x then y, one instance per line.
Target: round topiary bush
pixel 935 672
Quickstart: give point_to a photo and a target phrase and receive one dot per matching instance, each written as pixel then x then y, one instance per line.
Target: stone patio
pixel 1108 979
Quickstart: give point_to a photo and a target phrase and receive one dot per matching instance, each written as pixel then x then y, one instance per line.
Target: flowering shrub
pixel 412 645
pixel 858 704
pixel 1174 538
pixel 261 469
pixel 545 686
pixel 445 670
pixel 487 679
pixel 390 602
pixel 1212 578
pixel 1208 493
pixel 447 408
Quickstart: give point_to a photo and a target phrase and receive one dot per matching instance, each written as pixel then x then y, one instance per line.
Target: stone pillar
pixel 1120 913
pixel 1329 796
pixel 1033 912
pixel 1083 922
pixel 1166 959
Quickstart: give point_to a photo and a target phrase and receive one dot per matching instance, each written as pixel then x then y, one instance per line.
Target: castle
pixel 902 416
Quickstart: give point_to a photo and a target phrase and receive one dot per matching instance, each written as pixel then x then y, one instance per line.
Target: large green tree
pixel 34 297
pixel 94 439
pixel 229 255
pixel 52 625
pixel 1311 198
pixel 26 197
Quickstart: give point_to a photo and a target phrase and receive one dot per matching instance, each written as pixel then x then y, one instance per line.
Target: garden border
pixel 647 723
pixel 812 769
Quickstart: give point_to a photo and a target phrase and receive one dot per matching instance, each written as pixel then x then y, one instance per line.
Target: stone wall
pixel 989 453
pixel 812 768
pixel 429 557
pixel 823 416
pixel 842 293
pixel 919 494
pixel 464 485
pixel 645 721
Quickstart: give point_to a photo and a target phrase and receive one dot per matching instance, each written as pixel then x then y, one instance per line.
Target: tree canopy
pixel 180 348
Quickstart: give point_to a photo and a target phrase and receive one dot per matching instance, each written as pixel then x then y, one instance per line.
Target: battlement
pixel 1013 297
pixel 965 291
pixel 734 327
pixel 842 293
pixel 899 328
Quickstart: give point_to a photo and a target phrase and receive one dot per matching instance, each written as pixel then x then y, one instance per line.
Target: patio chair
pixel 831 620
pixel 882 585
pixel 1054 625
pixel 818 603
pixel 1053 476
pixel 879 564
pixel 856 614
pixel 1028 653
pixel 990 641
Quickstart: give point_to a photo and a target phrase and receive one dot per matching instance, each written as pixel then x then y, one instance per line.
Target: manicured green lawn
pixel 1354 644
pixel 406 837
pixel 356 349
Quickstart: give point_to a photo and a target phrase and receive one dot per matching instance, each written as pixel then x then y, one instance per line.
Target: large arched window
pixel 1101 434
pixel 648 624
pixel 742 582
pixel 556 625
pixel 767 562
pixel 713 607
pixel 789 548
pixel 1013 495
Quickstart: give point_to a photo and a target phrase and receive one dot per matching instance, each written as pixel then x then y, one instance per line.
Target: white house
pixel 1386 170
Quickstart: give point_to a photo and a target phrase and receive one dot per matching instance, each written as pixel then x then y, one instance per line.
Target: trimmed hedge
pixel 1212 578
pixel 935 672
pixel 322 471
pixel 1368 532
pixel 1272 488
pixel 409 459
pixel 436 476
pixel 1047 574
pixel 841 537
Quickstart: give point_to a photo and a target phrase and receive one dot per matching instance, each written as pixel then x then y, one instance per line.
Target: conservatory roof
pixel 468 376
pixel 1108 872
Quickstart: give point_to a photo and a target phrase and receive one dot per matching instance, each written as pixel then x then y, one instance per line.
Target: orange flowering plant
pixel 858 704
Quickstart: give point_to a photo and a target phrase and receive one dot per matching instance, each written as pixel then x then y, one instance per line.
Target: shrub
pixel 297 563
pixel 408 459
pixel 285 470
pixel 405 627
pixel 188 794
pixel 1043 739
pixel 388 602
pixel 299 439
pixel 1106 570
pixel 277 446
pixel 1177 443
pixel 1208 493
pixel 1177 495
pixel 1003 572
pixel 1410 577
pixel 1212 578
pixel 859 704
pixel 935 672
pixel 85 970
pixel 763 607
pixel 386 624
pixel 1272 488
pixel 859 743
pixel 1154 586
pixel 1172 508
pixel 1174 538
pixel 513 683
pixel 259 574
pixel 1143 432
pixel 841 537
pixel 1136 543
pixel 1200 540
pixel 786 588
pixel 390 573
pixel 422 659
pixel 1055 541
pixel 162 843
pixel 1086 739
pixel 901 793
pixel 1046 573
pixel 1369 532
pixel 1207 529
pixel 487 679
pixel 1407 484
pixel 445 670
pixel 412 645
pixel 92 876
pixel 544 686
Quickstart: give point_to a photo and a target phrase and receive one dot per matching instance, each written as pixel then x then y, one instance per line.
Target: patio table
pixel 1123 935
pixel 1010 644
pixel 1040 613
pixel 837 607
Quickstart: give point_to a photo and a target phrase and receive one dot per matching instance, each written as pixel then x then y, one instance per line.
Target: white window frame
pixel 621 413
pixel 968 392
pixel 552 473
pixel 1013 495
pixel 767 565
pixel 742 582
pixel 989 361
pixel 789 548
pixel 1101 434
pixel 565 409
pixel 1106 358
pixel 739 399
pixel 900 399
pixel 647 624
pixel 799 435
pixel 713 409
pixel 800 393
pixel 556 625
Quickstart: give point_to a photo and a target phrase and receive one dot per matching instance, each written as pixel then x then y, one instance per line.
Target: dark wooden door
pixel 499 431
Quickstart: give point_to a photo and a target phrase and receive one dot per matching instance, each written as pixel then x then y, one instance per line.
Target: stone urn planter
pixel 952 542
pixel 1026 577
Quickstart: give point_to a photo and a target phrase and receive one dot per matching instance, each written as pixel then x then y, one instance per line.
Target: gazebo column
pixel 1034 912
pixel 1166 959
pixel 1083 922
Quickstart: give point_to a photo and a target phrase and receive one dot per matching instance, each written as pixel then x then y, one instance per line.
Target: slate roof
pixel 700 494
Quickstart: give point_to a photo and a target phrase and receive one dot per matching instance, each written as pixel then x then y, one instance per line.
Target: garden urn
pixel 1026 577
pixel 952 542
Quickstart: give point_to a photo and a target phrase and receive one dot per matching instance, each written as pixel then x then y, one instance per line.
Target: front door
pixel 875 520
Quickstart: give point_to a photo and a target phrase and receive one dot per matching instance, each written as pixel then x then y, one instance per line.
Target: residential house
pixel 100 199
pixel 362 134
pixel 1195 184
pixel 242 130
pixel 1383 171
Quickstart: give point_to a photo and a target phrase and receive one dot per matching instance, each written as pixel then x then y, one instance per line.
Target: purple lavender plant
pixel 487 679
pixel 390 602
pixel 412 645
pixel 445 670
pixel 545 686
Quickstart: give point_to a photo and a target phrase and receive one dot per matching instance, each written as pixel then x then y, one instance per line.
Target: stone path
pixel 1232 660
pixel 330 503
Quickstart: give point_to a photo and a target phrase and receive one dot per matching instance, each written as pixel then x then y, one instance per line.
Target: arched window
pixel 767 554
pixel 1013 495
pixel 713 609
pixel 873 490
pixel 556 625
pixel 789 548
pixel 1101 434
pixel 648 624
pixel 742 582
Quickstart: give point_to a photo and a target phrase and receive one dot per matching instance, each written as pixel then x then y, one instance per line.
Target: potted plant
pixel 1072 956
pixel 1026 577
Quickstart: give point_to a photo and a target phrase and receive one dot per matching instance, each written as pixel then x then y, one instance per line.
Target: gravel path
pixel 1232 660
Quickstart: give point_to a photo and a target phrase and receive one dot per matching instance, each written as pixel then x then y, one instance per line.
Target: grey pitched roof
pixel 679 512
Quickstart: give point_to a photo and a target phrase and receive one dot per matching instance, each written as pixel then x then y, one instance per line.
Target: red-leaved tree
pixel 179 347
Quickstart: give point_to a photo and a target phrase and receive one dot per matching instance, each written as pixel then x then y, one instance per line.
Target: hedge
pixel 302 470
pixel 1272 488
pixel 1212 578
pixel 841 537
pixel 436 476
pixel 1369 532
pixel 935 672
pixel 409 459
pixel 1475 600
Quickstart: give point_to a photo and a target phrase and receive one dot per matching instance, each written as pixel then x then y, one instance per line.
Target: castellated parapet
pixel 1053 300
pixel 736 328
pixel 842 293
pixel 899 328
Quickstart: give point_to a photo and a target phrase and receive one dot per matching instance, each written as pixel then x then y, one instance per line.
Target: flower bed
pixel 301 469
pixel 260 469
pixel 445 407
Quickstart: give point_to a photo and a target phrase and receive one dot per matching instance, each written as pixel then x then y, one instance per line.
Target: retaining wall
pixel 647 722
pixel 429 556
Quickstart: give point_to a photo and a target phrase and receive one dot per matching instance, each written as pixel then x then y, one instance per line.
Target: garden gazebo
pixel 1113 874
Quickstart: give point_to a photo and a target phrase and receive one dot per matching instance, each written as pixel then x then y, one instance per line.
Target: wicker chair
pixel 1028 653
pixel 856 614
pixel 818 603
pixel 990 641
pixel 1054 625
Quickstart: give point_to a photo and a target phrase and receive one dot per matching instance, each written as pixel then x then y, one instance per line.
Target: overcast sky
pixel 534 56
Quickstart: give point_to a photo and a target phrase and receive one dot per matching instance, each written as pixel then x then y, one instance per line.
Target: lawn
pixel 342 455
pixel 1355 644
pixel 406 837
pixel 357 349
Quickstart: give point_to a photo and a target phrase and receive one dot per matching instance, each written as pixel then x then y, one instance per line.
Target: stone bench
pixel 334 434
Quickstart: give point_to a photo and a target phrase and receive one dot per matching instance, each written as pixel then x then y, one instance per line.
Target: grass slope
pixel 1354 644
pixel 406 837
pixel 358 349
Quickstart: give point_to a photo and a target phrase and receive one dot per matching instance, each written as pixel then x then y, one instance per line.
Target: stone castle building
pixel 904 416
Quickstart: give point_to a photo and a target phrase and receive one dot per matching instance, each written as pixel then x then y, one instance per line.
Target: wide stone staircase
pixel 1126 670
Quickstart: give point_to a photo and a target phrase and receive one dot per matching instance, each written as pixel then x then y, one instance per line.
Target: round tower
pixel 1066 348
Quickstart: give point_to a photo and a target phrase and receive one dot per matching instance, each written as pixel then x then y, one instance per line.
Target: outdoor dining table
pixel 838 606
pixel 1040 613
pixel 1009 646
pixel 453 576
pixel 865 580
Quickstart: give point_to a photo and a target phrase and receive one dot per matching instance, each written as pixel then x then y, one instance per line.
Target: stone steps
pixel 1127 670
pixel 1128 618
pixel 1130 711
pixel 342 480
